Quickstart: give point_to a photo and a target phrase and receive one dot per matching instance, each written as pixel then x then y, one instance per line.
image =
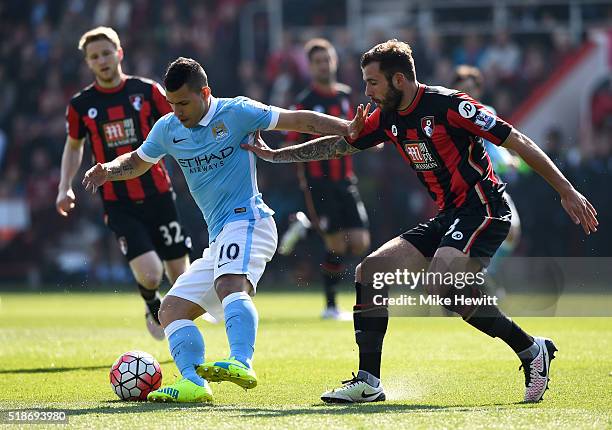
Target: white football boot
pixel 363 388
pixel 297 230
pixel 537 371
pixel 155 328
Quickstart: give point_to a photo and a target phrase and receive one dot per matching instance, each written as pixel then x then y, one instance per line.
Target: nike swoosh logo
pixel 367 396
pixel 221 265
pixel 543 372
pixel 175 140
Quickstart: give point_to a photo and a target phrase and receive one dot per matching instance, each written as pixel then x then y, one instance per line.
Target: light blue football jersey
pixel 221 176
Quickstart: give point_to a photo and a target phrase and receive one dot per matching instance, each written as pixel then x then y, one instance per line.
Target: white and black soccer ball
pixel 134 375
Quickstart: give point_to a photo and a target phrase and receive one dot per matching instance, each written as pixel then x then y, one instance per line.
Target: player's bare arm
pixel 71 161
pixel 122 168
pixel 311 122
pixel 580 210
pixel 322 148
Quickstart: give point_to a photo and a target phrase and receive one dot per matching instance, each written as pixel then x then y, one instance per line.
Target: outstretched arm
pixel 575 204
pixel 122 168
pixel 311 122
pixel 71 161
pixel 323 148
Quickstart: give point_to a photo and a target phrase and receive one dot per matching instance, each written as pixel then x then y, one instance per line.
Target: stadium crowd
pixel 41 69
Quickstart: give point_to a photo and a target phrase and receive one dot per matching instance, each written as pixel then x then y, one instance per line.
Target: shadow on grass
pixel 115 407
pixel 61 369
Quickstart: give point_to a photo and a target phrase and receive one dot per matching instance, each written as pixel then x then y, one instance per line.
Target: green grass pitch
pixel 56 350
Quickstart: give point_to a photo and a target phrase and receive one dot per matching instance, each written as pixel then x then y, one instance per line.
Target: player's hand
pixel 358 121
pixel 580 210
pixel 64 203
pixel 95 177
pixel 259 147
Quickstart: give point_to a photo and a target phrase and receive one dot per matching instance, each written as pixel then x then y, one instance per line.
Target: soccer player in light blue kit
pixel 204 135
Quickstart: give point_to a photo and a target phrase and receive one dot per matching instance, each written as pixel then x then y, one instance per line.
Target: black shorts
pixel 476 230
pixel 148 225
pixel 336 204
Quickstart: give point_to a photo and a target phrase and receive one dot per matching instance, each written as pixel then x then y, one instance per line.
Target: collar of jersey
pixel 415 101
pixel 211 112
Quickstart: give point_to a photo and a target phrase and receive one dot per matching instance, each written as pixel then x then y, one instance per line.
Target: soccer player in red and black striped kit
pixel 115 114
pixel 331 196
pixel 439 132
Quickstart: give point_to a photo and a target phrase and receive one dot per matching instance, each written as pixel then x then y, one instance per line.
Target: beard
pixel 391 100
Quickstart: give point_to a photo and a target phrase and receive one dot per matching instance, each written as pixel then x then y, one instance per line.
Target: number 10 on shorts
pixel 228 253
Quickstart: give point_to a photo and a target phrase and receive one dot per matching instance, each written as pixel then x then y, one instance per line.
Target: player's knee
pixel 175 308
pixel 462 300
pixel 167 312
pixel 360 245
pixel 149 279
pixel 229 284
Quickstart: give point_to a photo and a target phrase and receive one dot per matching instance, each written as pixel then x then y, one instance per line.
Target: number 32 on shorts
pixel 172 233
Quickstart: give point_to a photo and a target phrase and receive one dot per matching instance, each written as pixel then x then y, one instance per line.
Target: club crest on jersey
pixel 420 156
pixel 219 130
pixel 92 112
pixel 427 125
pixel 136 101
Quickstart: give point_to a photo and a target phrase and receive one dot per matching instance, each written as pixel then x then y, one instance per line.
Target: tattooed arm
pixel 311 122
pixel 122 168
pixel 323 148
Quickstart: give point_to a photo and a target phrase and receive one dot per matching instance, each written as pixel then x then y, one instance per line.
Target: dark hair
pixel 393 56
pixel 185 71
pixel 319 44
pixel 464 72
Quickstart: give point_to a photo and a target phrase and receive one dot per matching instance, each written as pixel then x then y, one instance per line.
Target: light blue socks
pixel 241 326
pixel 187 348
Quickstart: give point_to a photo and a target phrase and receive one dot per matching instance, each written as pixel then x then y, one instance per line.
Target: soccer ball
pixel 134 375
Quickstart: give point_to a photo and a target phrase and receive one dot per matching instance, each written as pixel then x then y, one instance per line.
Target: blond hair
pixel 99 33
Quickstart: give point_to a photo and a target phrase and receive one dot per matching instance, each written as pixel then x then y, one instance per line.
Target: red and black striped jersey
pixel 336 103
pixel 441 136
pixel 116 121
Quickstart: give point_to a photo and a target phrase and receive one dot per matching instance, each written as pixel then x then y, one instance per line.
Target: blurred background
pixel 547 68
